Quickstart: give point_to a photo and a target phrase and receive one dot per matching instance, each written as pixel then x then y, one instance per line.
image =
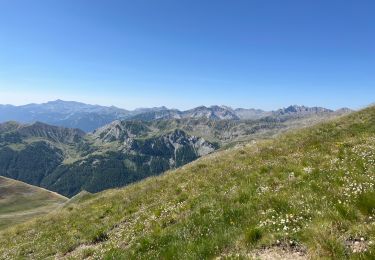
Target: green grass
pixel 20 202
pixel 312 188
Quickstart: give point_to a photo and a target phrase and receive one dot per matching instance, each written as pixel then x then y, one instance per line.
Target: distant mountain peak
pixel 297 109
pixel 226 107
pixel 212 112
pixel 57 101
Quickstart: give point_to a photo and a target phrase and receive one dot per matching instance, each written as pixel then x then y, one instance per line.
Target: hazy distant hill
pixel 90 117
pixel 63 113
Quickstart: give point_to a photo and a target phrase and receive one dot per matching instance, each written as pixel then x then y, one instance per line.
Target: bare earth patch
pixel 357 245
pixel 279 253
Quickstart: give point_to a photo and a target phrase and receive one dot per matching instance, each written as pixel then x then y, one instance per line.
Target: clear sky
pixel 184 53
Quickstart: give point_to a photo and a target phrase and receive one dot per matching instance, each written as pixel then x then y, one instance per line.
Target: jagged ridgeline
pixel 307 194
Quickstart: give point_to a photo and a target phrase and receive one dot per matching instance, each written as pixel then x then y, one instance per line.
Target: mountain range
pixel 68 160
pixel 305 194
pixel 87 117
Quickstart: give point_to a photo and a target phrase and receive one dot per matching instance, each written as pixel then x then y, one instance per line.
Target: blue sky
pixel 251 53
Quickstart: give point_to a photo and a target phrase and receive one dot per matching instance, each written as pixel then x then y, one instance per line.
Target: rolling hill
pixel 20 202
pixel 305 194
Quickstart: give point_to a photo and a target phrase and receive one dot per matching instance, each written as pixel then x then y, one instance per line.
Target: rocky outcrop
pixel 121 131
pixel 213 112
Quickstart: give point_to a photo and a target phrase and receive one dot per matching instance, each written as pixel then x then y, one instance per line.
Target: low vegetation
pixel 306 194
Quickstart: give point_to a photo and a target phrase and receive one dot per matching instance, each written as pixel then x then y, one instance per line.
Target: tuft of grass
pixel 99 236
pixel 366 203
pixel 253 235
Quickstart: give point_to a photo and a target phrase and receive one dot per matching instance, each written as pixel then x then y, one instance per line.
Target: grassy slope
pixel 20 201
pixel 314 187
